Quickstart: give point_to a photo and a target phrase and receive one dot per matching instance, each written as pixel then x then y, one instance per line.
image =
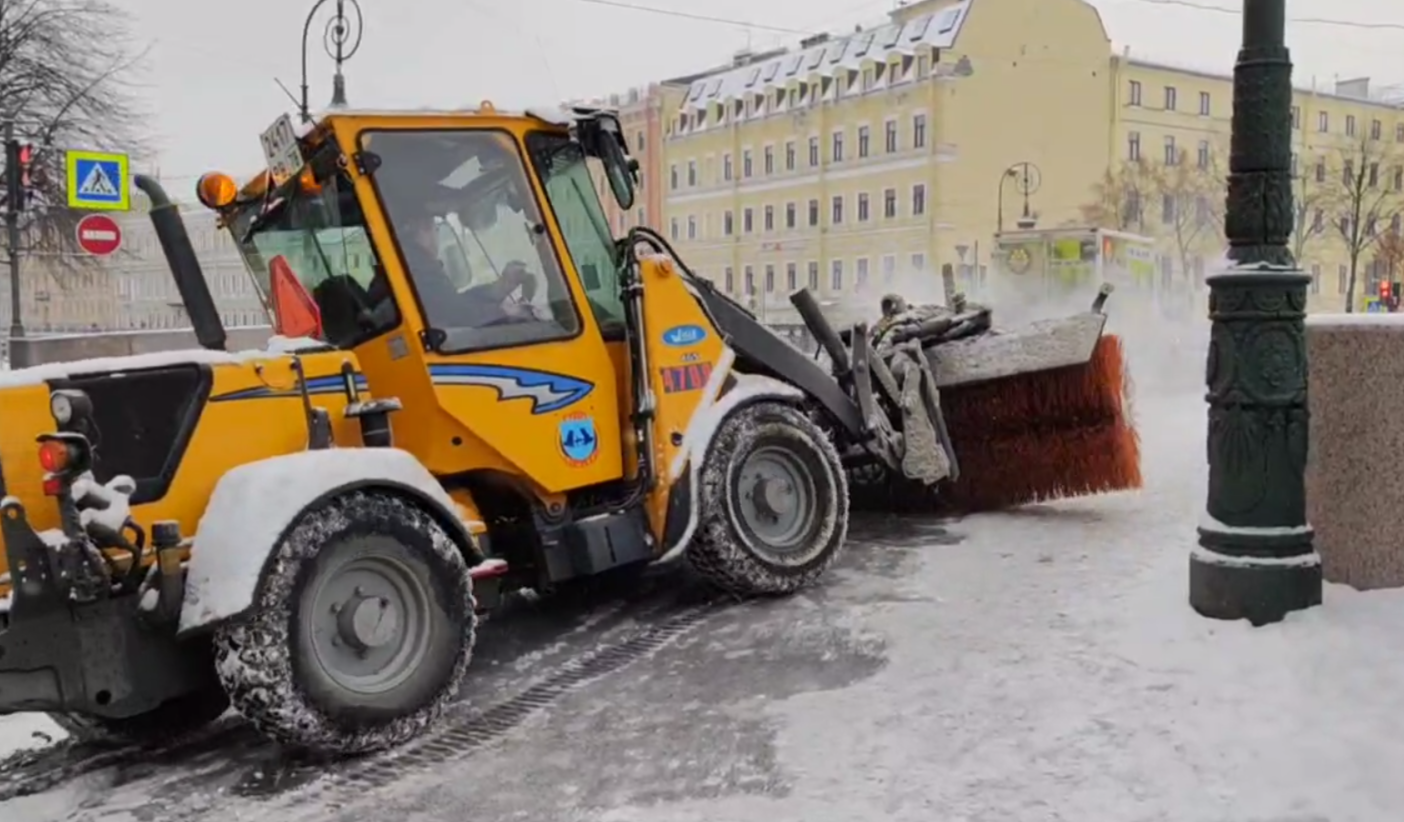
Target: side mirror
pixel 619 168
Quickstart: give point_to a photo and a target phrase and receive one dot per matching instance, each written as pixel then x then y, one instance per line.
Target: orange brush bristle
pixel 1044 435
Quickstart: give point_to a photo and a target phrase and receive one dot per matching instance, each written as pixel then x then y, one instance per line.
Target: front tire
pixel 773 501
pixel 362 632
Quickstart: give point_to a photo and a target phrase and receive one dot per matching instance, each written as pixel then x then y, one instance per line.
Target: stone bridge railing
pixel 1355 468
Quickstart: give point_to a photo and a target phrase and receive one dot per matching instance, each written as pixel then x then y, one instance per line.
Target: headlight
pixel 62 407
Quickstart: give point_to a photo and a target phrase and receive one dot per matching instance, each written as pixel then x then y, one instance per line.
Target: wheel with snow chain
pixel 362 630
pixel 773 501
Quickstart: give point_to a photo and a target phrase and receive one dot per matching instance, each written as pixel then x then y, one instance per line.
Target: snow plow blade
pixel 968 417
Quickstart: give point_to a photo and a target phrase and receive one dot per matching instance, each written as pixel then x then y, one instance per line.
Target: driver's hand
pixel 515 275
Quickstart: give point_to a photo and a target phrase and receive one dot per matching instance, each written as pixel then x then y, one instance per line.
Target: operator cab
pixel 467 226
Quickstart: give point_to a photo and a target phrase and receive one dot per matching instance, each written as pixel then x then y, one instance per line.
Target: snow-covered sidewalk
pixel 1049 668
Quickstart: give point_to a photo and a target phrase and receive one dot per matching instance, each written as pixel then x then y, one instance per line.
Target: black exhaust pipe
pixel 185 266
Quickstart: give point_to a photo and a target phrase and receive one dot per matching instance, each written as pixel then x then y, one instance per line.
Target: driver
pixel 473 307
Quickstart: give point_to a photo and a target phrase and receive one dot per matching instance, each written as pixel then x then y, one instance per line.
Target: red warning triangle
pixel 295 313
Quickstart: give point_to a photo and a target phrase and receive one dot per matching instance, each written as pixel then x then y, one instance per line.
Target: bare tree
pixel 1310 198
pixel 1190 197
pixel 67 81
pixel 1119 199
pixel 1364 199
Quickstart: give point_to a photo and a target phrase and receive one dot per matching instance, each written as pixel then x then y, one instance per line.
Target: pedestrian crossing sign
pixel 98 181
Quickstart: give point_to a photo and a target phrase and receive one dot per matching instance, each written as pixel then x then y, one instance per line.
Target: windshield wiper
pixel 269 213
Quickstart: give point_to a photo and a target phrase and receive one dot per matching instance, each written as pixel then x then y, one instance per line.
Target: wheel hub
pixel 773 496
pixel 366 623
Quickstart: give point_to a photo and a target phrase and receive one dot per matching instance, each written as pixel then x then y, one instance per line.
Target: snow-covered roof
pixel 826 59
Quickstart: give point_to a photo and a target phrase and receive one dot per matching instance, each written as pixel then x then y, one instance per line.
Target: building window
pixel 836 275
pixel 1296 117
pixel 747 221
pixel 1171 155
pixel 918 131
pixel 1376 129
pixel 692 228
pixel 836 150
pixel 918 262
pixel 813 152
pixel 837 217
pixel 1204 104
pixel 1350 125
pixel 813 276
pixel 813 213
pixel 728 224
pixel 770 218
pixel 860 274
pixel 1323 122
pixel 1133 92
pixel 1399 133
pixel 769 160
pixel 691 173
pixel 1167 209
pixel 639 144
pixel 1204 154
pixel 770 279
pixel 673 228
pixel 790 156
pixel 889 269
pixel 889 203
pixel 726 167
pixel 1399 178
pixel 863 207
pixel 918 200
pixel 864 142
pixel 673 177
pixel 790 215
pixel 1320 170
pixel 1170 98
pixel 791 277
pixel 890 136
pixel 746 168
pixel 750 277
pixel 1316 278
pixel 1133 146
pixel 1342 278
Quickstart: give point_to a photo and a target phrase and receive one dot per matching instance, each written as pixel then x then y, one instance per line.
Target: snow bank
pixel 20 732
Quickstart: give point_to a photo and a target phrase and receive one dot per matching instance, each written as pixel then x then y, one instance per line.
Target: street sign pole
pixel 13 197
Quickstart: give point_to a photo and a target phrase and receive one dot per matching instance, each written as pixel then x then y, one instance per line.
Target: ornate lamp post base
pixel 1255 558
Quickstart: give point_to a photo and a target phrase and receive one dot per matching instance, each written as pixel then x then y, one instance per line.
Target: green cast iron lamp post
pixel 1255 558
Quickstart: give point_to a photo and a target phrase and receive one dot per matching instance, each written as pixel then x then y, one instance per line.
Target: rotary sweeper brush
pixel 968 417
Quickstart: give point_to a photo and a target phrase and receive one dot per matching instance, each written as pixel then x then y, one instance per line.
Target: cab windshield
pixel 471 237
pixel 321 233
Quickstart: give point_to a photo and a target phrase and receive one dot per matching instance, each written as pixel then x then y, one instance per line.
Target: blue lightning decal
pixel 331 384
pixel 547 391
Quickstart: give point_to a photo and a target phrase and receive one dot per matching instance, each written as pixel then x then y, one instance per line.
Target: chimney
pixel 741 58
pixel 814 40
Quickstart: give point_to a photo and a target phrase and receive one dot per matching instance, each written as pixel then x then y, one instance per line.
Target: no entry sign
pixel 99 235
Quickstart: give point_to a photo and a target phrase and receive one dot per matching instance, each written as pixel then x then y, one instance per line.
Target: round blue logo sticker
pixel 579 442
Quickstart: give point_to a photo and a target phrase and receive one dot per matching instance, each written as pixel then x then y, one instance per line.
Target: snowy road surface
pixel 1038 665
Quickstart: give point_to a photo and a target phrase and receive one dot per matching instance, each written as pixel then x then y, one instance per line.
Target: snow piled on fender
pixel 255 503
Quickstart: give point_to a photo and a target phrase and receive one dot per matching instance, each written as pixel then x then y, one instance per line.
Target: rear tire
pixel 773 501
pixel 362 631
pixel 168 722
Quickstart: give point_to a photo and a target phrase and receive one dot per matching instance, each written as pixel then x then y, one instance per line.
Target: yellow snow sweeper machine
pixel 474 388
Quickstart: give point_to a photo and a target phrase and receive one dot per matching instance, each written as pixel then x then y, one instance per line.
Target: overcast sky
pixel 210 74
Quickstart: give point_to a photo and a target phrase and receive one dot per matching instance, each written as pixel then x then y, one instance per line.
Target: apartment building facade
pixel 1167 115
pixel 848 162
pixel 133 288
pixel 853 162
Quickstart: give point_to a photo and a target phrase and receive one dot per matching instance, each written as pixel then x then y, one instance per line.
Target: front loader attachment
pixel 966 417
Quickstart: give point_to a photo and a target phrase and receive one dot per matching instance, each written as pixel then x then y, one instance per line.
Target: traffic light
pixel 19 160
